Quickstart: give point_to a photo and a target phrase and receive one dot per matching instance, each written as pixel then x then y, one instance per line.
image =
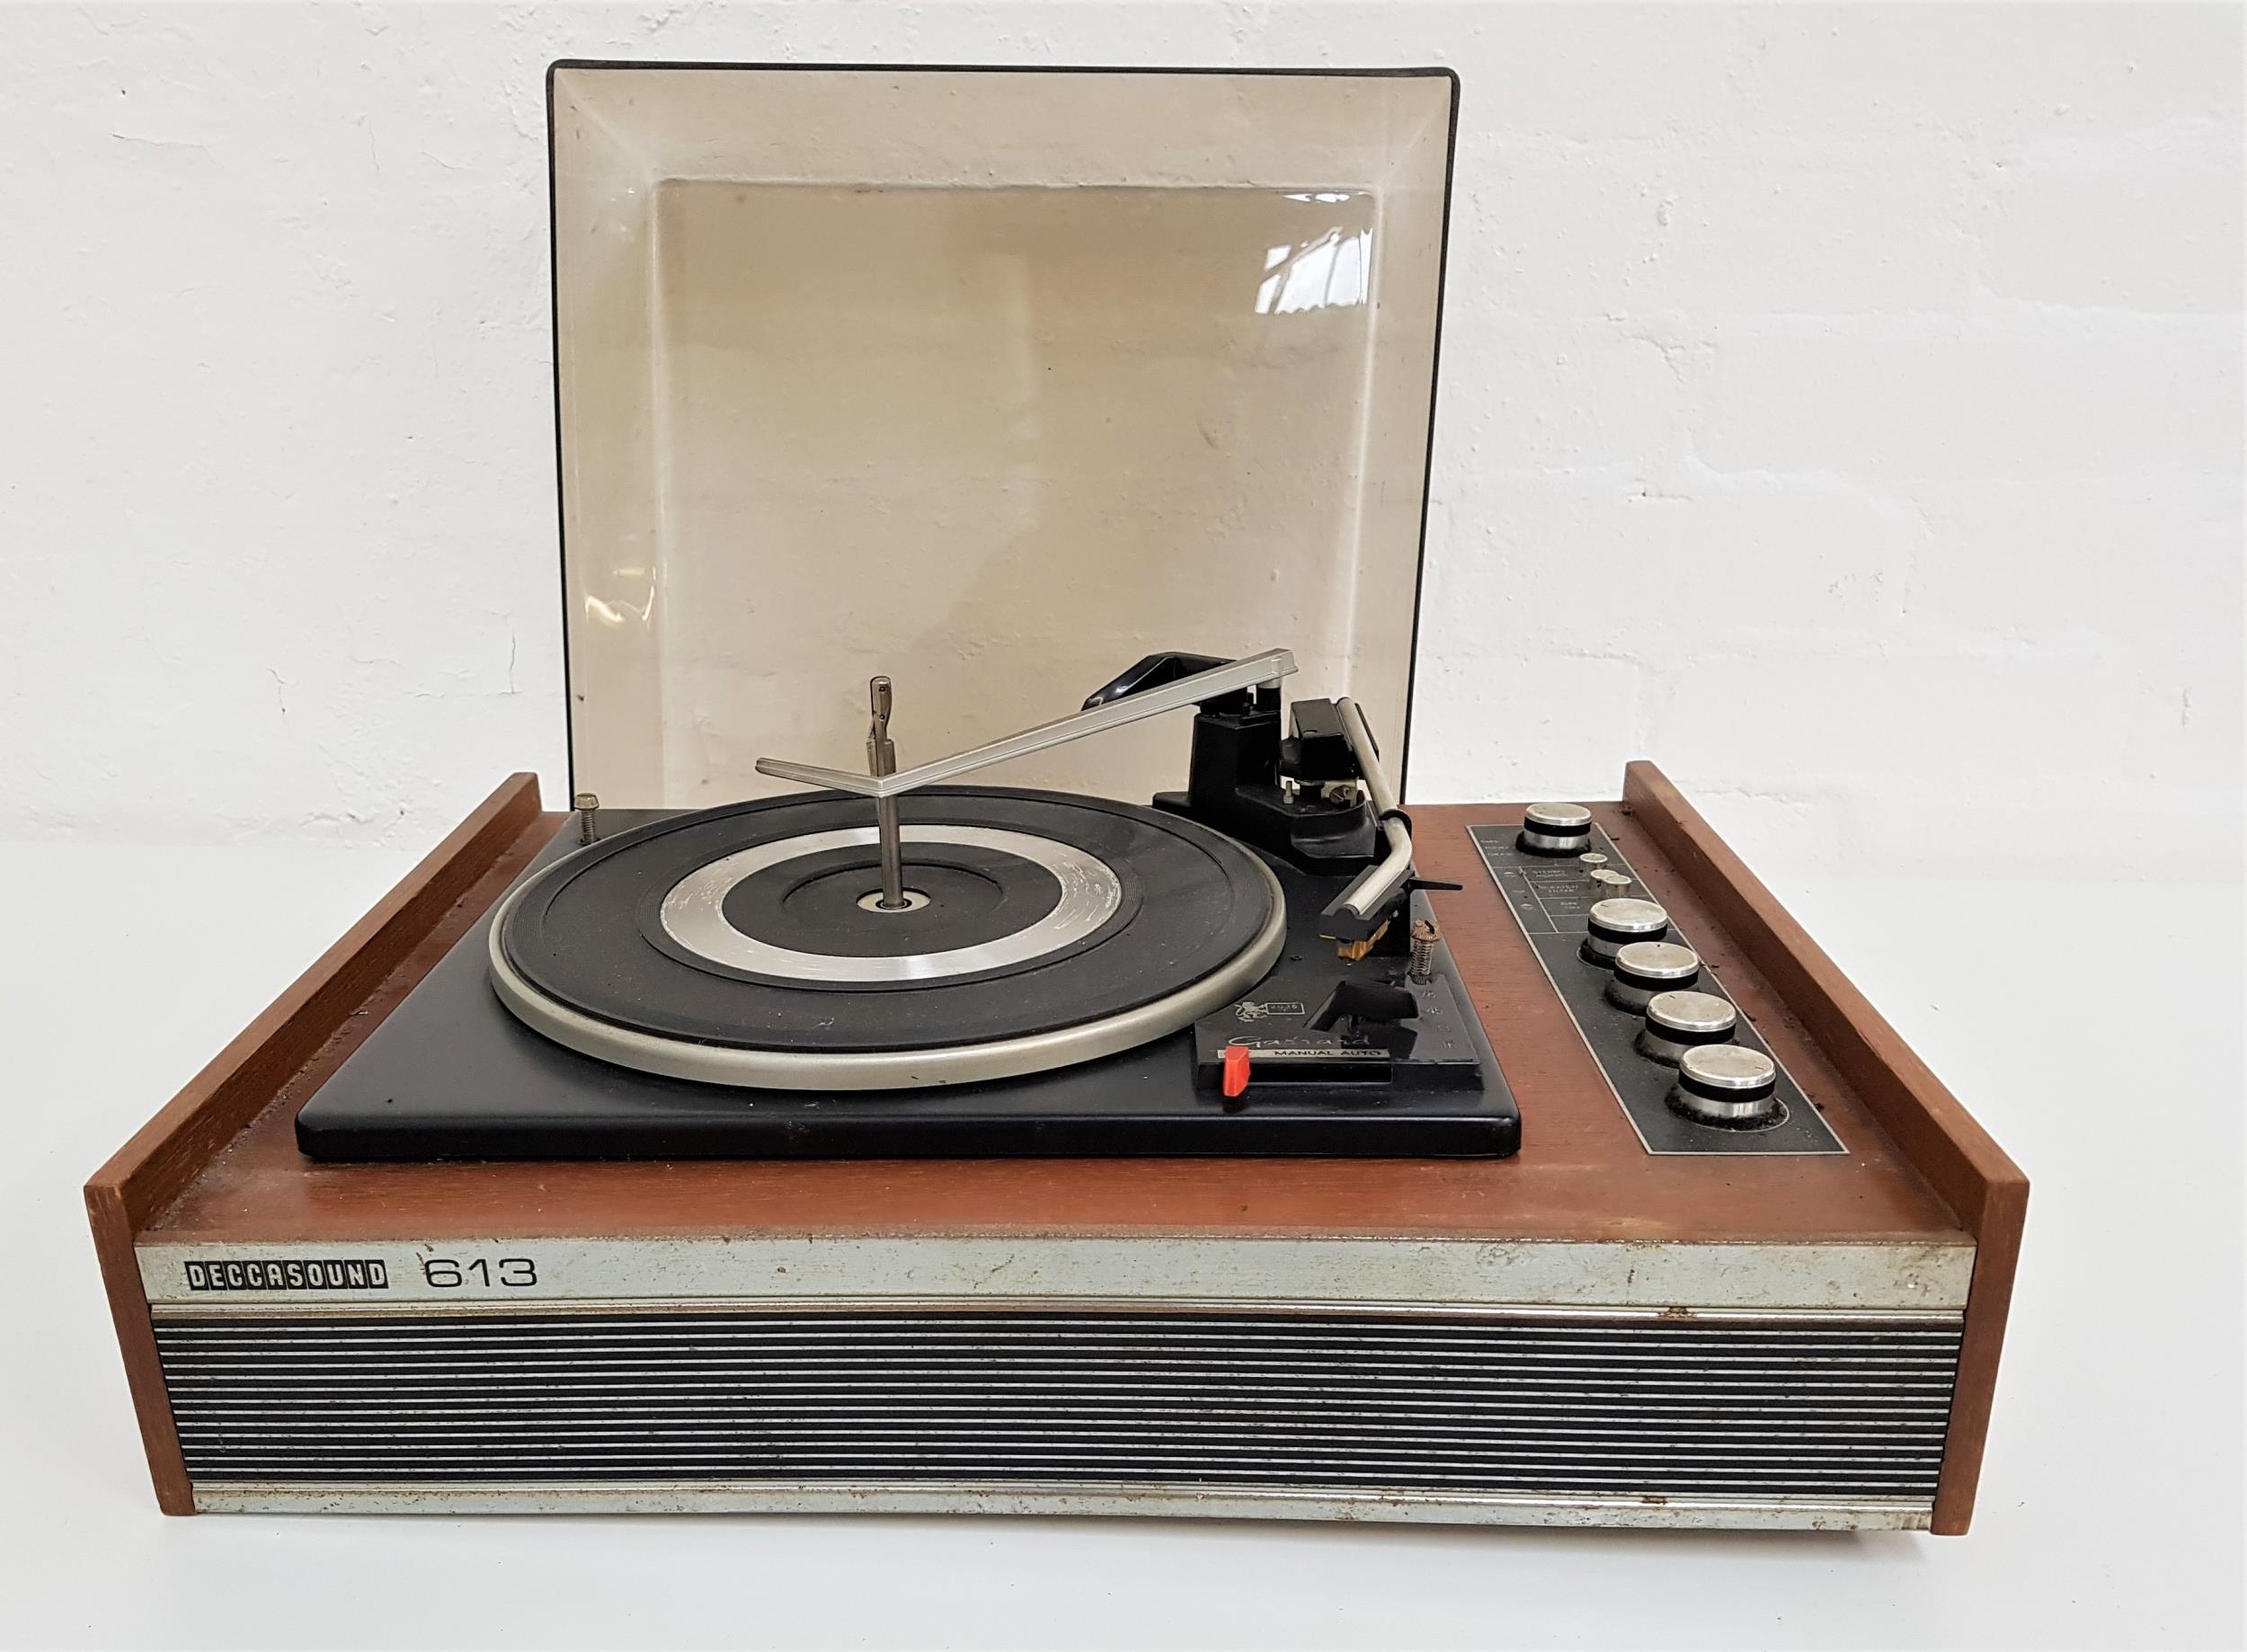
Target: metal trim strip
pixel 986 1498
pixel 1399 1275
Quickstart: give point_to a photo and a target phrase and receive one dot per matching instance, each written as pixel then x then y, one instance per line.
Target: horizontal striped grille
pixel 1349 1404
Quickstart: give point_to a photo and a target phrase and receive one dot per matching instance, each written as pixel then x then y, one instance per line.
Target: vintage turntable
pixel 1144 1112
pixel 894 966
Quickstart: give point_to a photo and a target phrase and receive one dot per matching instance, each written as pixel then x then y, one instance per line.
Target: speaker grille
pixel 1350 1404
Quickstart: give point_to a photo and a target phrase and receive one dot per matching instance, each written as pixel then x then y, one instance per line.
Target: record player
pixel 989 1034
pixel 894 966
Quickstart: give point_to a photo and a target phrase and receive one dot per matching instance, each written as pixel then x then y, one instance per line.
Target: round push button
pixel 1644 968
pixel 1677 1022
pixel 1612 925
pixel 1555 829
pixel 1729 1085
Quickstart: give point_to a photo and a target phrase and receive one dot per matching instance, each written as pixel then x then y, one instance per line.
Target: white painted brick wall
pixel 1841 406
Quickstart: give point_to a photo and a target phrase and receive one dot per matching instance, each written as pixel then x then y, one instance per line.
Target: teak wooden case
pixel 218 1163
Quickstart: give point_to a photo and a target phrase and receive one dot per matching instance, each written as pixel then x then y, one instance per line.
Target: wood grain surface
pixel 1581 1173
pixel 219 1163
pixel 1966 1167
pixel 169 1151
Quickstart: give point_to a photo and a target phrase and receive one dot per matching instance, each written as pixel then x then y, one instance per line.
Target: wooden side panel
pixel 167 1152
pixel 2005 1211
pixel 1955 1154
pixel 137 1342
pixel 1961 1162
pixel 172 1148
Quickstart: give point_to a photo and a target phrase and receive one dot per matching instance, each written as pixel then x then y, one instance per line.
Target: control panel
pixel 1690 1073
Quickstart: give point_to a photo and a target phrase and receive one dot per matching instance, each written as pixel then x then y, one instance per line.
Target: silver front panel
pixel 512 1272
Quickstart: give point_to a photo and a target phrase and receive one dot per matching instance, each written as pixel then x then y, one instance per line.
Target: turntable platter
pixel 748 945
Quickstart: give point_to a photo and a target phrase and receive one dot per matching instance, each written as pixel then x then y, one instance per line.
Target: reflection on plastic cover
pixel 1323 273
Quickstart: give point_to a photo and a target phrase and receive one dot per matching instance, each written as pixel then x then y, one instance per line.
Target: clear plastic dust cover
pixel 991 381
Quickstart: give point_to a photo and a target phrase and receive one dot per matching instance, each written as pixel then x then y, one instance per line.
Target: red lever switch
pixel 1236 1079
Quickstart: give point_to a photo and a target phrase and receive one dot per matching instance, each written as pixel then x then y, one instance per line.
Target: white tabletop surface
pixel 2106 1058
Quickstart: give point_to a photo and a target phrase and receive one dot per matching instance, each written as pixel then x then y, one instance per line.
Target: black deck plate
pixel 450 1074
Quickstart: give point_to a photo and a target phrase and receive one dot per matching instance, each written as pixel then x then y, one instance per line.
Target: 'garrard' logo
pixel 364 1273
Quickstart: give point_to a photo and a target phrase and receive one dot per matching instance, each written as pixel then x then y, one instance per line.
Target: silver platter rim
pixel 885 1069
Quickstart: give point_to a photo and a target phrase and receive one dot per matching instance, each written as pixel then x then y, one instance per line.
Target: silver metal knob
pixel 1728 1085
pixel 1644 968
pixel 1613 924
pixel 1677 1022
pixel 1555 829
